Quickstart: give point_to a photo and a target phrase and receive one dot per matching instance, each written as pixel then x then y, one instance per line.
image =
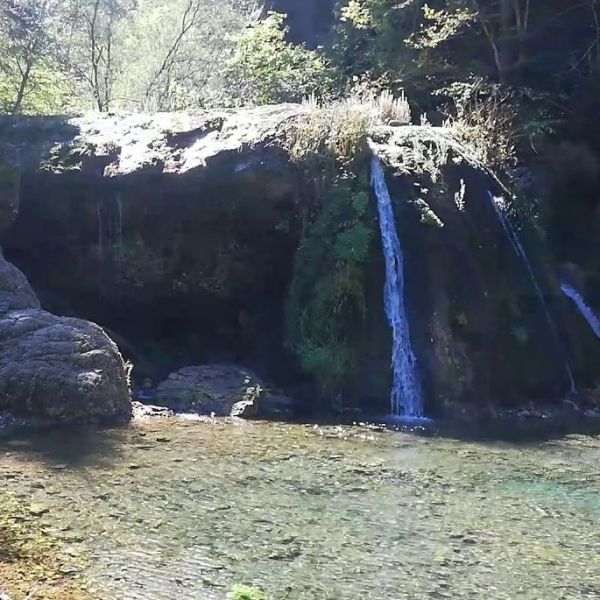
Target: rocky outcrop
pixel 180 233
pixel 55 368
pixel 165 226
pixel 109 146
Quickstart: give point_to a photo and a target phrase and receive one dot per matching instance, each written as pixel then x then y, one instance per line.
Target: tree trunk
pixel 22 87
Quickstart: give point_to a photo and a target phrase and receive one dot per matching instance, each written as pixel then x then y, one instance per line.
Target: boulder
pixel 220 389
pixel 15 291
pixel 149 411
pixel 55 368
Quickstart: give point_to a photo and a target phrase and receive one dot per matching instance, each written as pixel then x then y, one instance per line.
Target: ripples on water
pixel 182 510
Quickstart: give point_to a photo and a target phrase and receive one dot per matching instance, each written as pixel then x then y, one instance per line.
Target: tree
pixel 95 58
pixel 266 69
pixel 177 52
pixel 30 73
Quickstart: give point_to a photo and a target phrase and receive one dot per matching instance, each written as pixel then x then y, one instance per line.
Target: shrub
pixel 485 120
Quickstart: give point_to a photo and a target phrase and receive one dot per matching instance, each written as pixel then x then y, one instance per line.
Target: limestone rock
pixel 55 368
pixel 149 411
pixel 220 389
pixel 96 146
pixel 15 291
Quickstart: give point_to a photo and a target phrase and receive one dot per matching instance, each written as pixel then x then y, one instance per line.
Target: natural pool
pixel 178 509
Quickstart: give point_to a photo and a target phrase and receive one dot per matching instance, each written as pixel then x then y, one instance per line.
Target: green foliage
pixel 428 216
pixel 245 592
pixel 266 69
pixel 326 307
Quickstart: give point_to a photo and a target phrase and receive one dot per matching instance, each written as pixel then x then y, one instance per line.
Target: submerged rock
pixel 55 368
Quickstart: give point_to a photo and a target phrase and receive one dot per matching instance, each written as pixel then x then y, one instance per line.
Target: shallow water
pixel 180 509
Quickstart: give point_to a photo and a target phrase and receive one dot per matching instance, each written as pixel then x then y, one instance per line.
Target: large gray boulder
pixel 223 390
pixel 55 368
pixel 15 291
pixel 220 389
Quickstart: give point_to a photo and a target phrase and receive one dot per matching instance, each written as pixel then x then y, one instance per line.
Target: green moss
pixel 326 308
pixel 428 217
pixel 245 592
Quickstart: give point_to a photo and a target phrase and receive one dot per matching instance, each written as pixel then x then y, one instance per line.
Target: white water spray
pixel 584 309
pixel 407 399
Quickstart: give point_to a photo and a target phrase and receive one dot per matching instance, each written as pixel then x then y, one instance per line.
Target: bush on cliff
pixel 326 306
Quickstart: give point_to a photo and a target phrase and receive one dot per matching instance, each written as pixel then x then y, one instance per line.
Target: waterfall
pixel 513 237
pixel 100 248
pixel 589 315
pixel 119 201
pixel 407 400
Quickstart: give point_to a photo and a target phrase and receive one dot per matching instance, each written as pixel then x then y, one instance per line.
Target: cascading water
pixel 407 399
pixel 512 235
pixel 584 309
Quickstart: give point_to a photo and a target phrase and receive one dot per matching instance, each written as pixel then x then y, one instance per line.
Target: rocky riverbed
pixel 174 508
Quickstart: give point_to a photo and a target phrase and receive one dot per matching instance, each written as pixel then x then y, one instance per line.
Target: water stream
pixel 407 399
pixel 584 309
pixel 513 237
pixel 176 509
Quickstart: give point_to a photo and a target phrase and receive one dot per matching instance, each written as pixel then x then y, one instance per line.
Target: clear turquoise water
pixel 183 510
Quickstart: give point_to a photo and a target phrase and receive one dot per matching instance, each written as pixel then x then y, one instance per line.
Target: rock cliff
pixel 179 234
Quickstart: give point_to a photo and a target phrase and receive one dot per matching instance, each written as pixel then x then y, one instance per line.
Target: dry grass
pixel 487 126
pixel 340 129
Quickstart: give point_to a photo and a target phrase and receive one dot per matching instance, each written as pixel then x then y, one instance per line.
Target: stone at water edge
pixel 222 390
pixel 15 291
pixel 149 411
pixel 55 368
pixel 207 389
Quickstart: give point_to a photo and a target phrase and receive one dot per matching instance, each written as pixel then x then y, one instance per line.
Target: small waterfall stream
pixel 513 237
pixel 407 399
pixel 593 321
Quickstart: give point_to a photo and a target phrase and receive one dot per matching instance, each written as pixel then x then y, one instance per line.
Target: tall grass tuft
pixel 339 130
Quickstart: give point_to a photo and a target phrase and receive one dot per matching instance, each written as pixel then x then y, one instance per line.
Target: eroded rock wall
pixel 179 235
